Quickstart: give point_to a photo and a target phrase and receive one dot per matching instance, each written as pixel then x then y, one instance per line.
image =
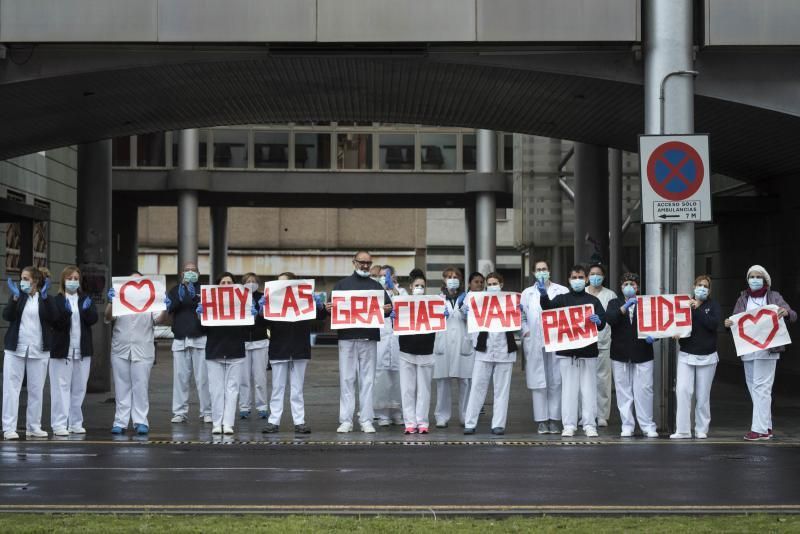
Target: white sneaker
pixel 216 430
pixel 651 434
pixel 227 430
pixel 678 435
pixel 345 427
pixel 77 430
pixel 367 428
pixel 590 431
pixel 567 432
pixel 36 434
pixel 602 422
pixel 384 422
pixel 178 419
pixel 207 419
pixel 626 434
pixel 10 435
pixel 61 432
pixel 700 435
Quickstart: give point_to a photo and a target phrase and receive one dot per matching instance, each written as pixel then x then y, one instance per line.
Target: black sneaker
pixel 270 429
pixel 302 429
pixel 498 431
pixel 468 431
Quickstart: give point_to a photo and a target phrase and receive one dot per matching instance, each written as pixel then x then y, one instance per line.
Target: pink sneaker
pixel 755 436
pixel 411 430
pixel 423 430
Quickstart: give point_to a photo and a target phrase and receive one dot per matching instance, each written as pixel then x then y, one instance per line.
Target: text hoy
pixel 225 303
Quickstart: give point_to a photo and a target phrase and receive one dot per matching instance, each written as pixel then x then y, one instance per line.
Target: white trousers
pixel 760 374
pixel 604 380
pixel 357 359
pixel 224 377
pixel 254 372
pixel 444 400
pixel 415 388
pixel 500 375
pixel 183 362
pixel 131 391
pixel 578 381
pixel 387 399
pixel 68 379
pixel 547 401
pixel 693 380
pixel 634 386
pixel 14 370
pixel 295 372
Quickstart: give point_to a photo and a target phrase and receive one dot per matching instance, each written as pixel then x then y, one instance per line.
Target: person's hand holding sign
pixel 628 304
pixel 595 319
pixel 728 323
pixel 782 312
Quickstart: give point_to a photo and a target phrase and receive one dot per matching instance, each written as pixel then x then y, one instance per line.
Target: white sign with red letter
pixel 419 314
pixel 568 328
pixel 143 294
pixel 493 312
pixel 357 309
pixel 662 316
pixel 289 300
pixel 759 329
pixel 227 305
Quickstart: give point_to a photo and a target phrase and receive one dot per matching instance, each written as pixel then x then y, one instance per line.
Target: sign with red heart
pixel 759 329
pixel 138 294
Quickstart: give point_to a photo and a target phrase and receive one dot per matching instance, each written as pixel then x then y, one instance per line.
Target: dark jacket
pixel 291 341
pixel 258 331
pixel 185 322
pixel 626 347
pixel 705 321
pixel 574 298
pixel 419 344
pixel 773 297
pixel 48 316
pixel 483 338
pixel 61 331
pixel 359 283
pixel 225 342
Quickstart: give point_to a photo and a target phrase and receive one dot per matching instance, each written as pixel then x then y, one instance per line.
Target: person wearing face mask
pixel 759 366
pixel 254 367
pixel 188 347
pixel 454 351
pixel 578 366
pixel 597 274
pixel 542 375
pixel 70 354
pixel 495 354
pixel 358 349
pixel 387 401
pixel 476 282
pixel 697 362
pixel 416 372
pixel 632 361
pixel 31 316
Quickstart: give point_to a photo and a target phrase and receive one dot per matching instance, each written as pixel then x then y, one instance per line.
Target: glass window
pixel 470 154
pixel 312 151
pixel 121 152
pixel 151 150
pixel 353 151
pixel 230 148
pixel 202 139
pixel 271 150
pixel 439 151
pixel 396 151
pixel 508 152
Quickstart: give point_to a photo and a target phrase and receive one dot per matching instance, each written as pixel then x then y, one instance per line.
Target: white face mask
pixel 453 283
pixel 362 274
pixel 418 290
pixel 382 280
pixel 252 286
pixel 493 289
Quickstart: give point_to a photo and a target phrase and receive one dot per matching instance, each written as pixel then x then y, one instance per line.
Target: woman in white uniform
pixel 386 391
pixel 759 366
pixel 71 354
pixel 254 367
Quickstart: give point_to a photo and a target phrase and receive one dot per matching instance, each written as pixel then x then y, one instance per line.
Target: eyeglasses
pixel 363 263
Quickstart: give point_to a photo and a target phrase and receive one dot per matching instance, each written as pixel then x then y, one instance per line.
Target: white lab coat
pixel 454 350
pixel 533 343
pixel 387 396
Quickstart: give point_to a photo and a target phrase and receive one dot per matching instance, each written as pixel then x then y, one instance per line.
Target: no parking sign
pixel 675 178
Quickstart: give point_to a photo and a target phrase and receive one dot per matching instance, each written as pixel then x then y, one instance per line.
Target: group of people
pixel 391 376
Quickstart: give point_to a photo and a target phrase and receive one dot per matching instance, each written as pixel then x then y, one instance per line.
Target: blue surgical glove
pixel 254 310
pixel 67 306
pixel 460 299
pixel 650 340
pixel 392 315
pixel 14 288
pixel 261 302
pixel 181 291
pixel 45 288
pixel 446 313
pixel 317 299
pixel 629 303
pixel 595 318
pixel 87 303
pixel 541 287
pixel 199 309
pixel 192 291
pixel 389 281
pixel 167 301
pixel 111 295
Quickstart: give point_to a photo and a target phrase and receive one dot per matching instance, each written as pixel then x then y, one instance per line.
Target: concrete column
pixel 470 262
pixel 218 246
pixel 188 160
pixel 591 203
pixel 486 204
pixel 124 237
pixel 668 49
pixel 93 236
pixel 614 217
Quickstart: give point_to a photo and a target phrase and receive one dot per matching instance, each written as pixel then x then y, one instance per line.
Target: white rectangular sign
pixel 493 312
pixel 143 294
pixel 675 177
pixel 664 316
pixel 759 329
pixel 568 328
pixel 419 314
pixel 357 309
pixel 227 305
pixel 289 300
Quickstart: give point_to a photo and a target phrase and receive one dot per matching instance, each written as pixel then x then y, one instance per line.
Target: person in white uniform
pixel 70 354
pixel 133 354
pixel 697 362
pixel 387 403
pixel 495 354
pixel 542 374
pixel 455 353
pixel 597 274
pixel 254 368
pixel 759 366
pixel 31 316
pixel 632 361
pixel 188 347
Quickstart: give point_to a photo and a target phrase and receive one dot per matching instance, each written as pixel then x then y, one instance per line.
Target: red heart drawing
pixel 771 316
pixel 138 285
